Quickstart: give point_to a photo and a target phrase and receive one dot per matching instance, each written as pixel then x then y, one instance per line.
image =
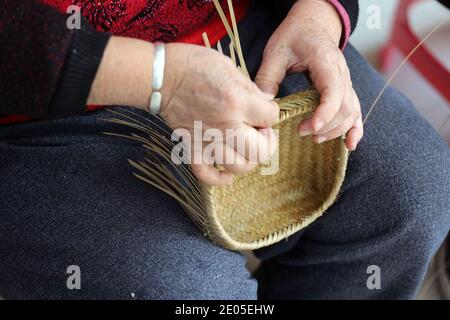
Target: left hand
pixel 308 40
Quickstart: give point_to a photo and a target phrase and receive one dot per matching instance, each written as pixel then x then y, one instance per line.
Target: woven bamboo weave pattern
pixel 258 210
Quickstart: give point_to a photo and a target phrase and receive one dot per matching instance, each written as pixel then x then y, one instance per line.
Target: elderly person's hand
pixel 204 85
pixel 200 85
pixel 308 40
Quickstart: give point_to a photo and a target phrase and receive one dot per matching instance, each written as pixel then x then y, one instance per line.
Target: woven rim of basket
pixel 196 198
pixel 219 235
pixel 215 230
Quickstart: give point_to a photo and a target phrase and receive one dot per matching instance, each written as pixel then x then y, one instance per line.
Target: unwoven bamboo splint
pixel 256 210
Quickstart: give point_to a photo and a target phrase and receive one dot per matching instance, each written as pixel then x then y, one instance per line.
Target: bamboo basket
pixel 256 210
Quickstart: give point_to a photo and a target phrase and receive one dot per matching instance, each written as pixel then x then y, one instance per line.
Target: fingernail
pixel 269 96
pixel 304 133
pixel 266 131
pixel 319 125
pixel 320 140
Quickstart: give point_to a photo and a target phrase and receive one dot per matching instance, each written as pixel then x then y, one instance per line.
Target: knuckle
pixel 271 115
pixel 347 127
pixel 263 77
pixel 231 99
pixel 347 111
pixel 266 121
pixel 201 173
pixel 350 83
pixel 249 87
pixel 360 131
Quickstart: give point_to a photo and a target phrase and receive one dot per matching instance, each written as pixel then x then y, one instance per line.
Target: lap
pixel 68 198
pixel 398 174
pixel 393 209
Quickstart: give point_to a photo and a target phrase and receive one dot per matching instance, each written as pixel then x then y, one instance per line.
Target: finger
pixel 330 81
pixel 336 132
pixel 355 135
pixel 330 103
pixel 234 163
pixel 260 112
pixel 264 95
pixel 225 156
pixel 222 156
pixel 211 175
pixel 255 146
pixel 271 72
pixel 356 132
pixel 349 109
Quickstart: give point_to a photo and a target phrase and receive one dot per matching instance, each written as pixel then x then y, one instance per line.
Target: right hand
pixel 203 85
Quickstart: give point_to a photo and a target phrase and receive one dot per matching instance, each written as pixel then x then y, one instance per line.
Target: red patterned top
pixel 154 20
pixel 48 84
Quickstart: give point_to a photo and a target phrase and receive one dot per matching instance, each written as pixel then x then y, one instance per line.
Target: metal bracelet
pixel 159 61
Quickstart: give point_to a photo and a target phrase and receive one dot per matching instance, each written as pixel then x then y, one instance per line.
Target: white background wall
pixel 368 41
pixel 423 17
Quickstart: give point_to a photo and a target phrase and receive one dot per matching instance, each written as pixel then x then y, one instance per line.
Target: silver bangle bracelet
pixel 159 61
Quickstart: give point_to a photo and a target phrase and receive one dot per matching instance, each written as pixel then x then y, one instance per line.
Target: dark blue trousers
pixel 67 198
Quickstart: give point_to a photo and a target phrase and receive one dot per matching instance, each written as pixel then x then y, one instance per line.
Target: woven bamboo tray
pixel 258 210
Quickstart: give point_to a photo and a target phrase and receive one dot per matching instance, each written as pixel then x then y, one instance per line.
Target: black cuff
pixel 83 59
pixel 445 3
pixel 352 8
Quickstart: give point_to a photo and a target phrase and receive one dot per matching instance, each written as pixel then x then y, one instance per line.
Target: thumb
pixel 271 73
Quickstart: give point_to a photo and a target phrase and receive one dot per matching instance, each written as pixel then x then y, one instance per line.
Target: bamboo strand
pixel 224 20
pixel 206 40
pixel 219 47
pixel 400 66
pixel 158 144
pixel 149 119
pixel 232 54
pixel 161 175
pixel 237 42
